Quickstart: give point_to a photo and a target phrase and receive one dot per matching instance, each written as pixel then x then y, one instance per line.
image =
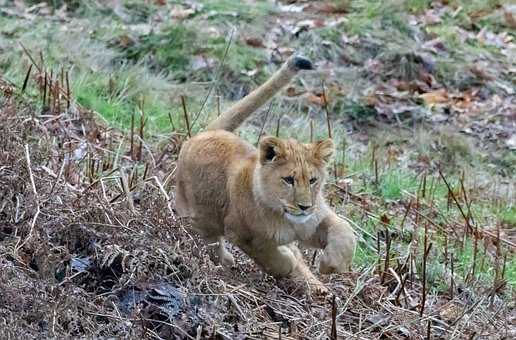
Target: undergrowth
pixel 119 71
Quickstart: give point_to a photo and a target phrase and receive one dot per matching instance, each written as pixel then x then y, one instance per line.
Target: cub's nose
pixel 304 207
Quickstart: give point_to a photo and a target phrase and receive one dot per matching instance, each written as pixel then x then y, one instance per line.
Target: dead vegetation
pixel 90 246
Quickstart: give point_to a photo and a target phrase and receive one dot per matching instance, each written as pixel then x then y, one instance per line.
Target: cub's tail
pixel 232 118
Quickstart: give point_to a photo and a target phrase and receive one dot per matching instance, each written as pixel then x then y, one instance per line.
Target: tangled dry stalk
pixel 90 247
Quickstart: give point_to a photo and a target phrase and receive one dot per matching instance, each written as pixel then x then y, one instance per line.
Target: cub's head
pixel 291 175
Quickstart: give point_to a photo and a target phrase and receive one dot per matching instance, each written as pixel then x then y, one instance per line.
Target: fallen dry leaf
pixel 317 99
pixel 481 72
pixel 254 42
pixel 305 25
pixel 328 8
pixel 181 13
pixel 293 92
pixel 451 312
pixel 435 97
pixel 509 19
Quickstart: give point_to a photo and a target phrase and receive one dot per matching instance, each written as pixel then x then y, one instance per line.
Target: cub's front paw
pixel 225 257
pixel 227 260
pixel 338 253
pixel 318 288
pixel 335 261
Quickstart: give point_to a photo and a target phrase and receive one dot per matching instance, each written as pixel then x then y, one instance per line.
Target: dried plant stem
pixel 127 189
pixel 378 252
pixel 50 90
pixel 311 130
pixel 36 198
pixel 132 137
pixel 333 335
pixel 387 253
pixel 475 251
pixel 215 81
pixel 142 127
pixel 426 249
pixel 278 124
pixel 26 80
pixel 44 101
pixel 264 122
pixel 171 121
pixel 30 57
pixel 450 191
pixel 452 281
pixel 328 122
pixel 402 225
pixel 187 121
pixel 68 92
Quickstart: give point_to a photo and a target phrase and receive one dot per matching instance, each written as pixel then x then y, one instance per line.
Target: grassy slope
pixel 117 60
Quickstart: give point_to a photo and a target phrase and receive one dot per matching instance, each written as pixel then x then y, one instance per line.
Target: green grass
pixel 437 270
pixel 170 49
pixel 237 10
pixel 508 215
pixel 399 184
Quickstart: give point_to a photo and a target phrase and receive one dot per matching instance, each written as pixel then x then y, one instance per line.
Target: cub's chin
pixel 298 219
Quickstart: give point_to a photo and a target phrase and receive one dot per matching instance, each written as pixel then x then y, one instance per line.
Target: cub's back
pixel 204 164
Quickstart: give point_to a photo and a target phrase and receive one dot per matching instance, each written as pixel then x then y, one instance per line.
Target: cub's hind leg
pixel 212 233
pixel 225 257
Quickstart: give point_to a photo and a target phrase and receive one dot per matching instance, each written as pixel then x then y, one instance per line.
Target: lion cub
pixel 263 200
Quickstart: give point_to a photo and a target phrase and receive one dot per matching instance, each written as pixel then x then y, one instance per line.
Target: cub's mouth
pixel 297 216
pixel 296 213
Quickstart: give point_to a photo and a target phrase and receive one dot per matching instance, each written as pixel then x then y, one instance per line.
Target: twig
pixel 278 126
pixel 405 215
pixel 171 121
pixel 330 134
pixel 387 253
pixel 132 136
pixel 30 56
pixel 68 92
pixel 237 306
pixel 264 122
pixel 36 197
pixel 333 335
pixel 127 190
pixel 26 80
pixel 45 90
pixel 452 282
pixel 216 78
pixel 187 122
pixel 450 191
pixel 142 126
pixel 425 260
pixel 311 130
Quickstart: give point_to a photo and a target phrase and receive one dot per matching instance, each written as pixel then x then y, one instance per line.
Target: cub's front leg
pixel 283 261
pixel 338 241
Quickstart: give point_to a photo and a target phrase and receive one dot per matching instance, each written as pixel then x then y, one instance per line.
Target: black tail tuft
pixel 302 63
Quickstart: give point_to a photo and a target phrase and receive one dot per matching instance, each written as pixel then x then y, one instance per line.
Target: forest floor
pixel 419 97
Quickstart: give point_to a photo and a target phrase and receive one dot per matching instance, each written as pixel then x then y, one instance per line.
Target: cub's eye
pixel 313 180
pixel 289 180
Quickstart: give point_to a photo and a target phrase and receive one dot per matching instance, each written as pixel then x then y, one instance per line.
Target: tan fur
pixel 230 189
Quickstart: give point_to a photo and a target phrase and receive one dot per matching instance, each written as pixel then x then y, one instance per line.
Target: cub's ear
pixel 271 149
pixel 323 150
